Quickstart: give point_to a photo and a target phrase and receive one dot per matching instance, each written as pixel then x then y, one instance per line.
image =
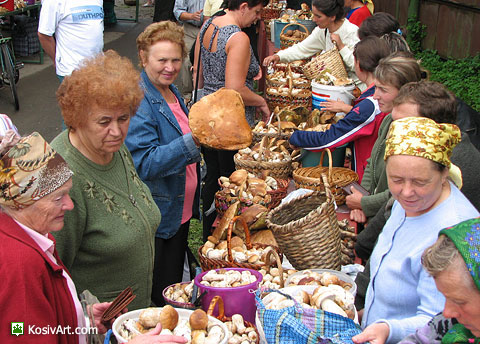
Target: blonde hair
pixel 108 81
pixel 397 70
pixel 161 31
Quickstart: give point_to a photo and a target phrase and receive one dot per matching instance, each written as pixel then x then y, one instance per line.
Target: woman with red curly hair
pixel 107 242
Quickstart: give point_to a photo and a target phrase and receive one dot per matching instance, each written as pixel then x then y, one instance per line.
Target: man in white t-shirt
pixel 70 31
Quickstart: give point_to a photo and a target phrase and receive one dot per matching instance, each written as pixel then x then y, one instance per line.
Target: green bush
pixel 462 77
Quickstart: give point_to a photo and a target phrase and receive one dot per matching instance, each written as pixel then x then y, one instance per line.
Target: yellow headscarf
pixel 425 138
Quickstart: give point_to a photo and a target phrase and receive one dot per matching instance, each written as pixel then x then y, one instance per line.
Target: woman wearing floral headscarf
pixel 37 289
pixel 401 296
pixel 454 263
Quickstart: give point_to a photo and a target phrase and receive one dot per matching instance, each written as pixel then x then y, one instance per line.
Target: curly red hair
pixel 108 81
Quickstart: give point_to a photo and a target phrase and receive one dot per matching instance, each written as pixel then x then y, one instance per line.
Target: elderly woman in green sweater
pixel 107 242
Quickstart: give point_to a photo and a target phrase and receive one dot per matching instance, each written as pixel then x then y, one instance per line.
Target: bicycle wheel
pixel 10 74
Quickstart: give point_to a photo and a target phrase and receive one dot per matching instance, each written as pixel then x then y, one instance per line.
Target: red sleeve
pixel 360 15
pixel 26 294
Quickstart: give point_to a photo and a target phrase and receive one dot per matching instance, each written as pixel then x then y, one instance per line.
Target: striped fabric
pixel 295 325
pixel 6 124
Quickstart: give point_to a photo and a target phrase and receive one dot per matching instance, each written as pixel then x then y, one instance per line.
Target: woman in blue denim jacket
pixel 165 153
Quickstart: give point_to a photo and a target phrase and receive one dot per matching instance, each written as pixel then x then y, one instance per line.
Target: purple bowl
pixel 237 300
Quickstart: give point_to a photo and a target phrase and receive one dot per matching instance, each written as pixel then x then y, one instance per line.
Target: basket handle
pixel 289 24
pixel 326 185
pixel 305 28
pixel 221 308
pixel 248 243
pixel 330 163
pixel 269 252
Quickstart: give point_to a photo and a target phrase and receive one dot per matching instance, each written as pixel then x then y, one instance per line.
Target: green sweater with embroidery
pixel 107 242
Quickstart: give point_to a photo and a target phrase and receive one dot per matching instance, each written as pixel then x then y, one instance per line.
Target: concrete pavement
pixel 38 83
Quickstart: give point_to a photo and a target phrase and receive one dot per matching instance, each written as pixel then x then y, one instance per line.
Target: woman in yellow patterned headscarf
pixel 418 166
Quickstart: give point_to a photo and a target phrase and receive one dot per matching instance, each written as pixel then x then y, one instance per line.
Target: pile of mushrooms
pixel 308 277
pixel 227 278
pixel 271 277
pixel 215 249
pixel 332 299
pixel 180 292
pixel 239 333
pixel 247 186
pixel 268 149
pixel 197 329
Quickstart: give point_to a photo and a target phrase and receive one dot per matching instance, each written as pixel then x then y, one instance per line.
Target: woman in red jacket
pixel 36 288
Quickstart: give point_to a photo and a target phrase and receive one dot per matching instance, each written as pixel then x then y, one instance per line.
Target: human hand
pixel 358 216
pixel 153 337
pixel 354 201
pixel 335 37
pixel 336 106
pixel 271 60
pixel 265 111
pixel 259 75
pixel 375 334
pixel 197 16
pixel 98 309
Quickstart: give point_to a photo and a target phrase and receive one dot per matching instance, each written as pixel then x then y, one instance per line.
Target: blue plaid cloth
pixel 300 325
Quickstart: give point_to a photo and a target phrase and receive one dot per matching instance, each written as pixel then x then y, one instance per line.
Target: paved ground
pixel 37 85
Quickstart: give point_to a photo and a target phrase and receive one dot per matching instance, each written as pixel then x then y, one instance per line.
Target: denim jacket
pixel 161 153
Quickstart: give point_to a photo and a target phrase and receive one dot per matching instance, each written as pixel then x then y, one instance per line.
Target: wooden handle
pixel 269 252
pixel 229 236
pixel 330 163
pixel 221 308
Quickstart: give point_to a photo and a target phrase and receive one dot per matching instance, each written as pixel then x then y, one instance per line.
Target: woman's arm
pixel 238 61
pixel 195 64
pixel 154 156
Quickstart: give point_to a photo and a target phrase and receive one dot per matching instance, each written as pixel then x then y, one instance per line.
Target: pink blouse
pixel 191 171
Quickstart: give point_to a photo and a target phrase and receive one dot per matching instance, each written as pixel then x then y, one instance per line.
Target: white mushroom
pixel 237 319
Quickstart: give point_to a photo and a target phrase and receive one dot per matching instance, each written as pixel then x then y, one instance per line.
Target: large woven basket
pixel 217 300
pixel 310 178
pixel 306 229
pixel 257 137
pixel 303 98
pixel 288 41
pixel 330 60
pixel 210 264
pixel 277 170
pixel 222 202
pixel 270 12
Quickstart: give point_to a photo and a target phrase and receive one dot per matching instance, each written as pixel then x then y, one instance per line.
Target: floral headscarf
pixel 425 138
pixel 466 237
pixel 30 170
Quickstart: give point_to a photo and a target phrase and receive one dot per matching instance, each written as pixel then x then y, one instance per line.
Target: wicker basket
pixel 277 170
pixel 288 41
pixel 306 229
pixel 257 137
pixel 222 202
pixel 330 60
pixel 310 178
pixel 217 300
pixel 210 264
pixel 271 256
pixel 303 98
pixel 269 12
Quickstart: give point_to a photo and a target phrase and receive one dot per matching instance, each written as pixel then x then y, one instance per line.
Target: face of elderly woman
pixel 46 215
pixel 415 183
pixel 385 94
pixel 462 298
pixel 162 63
pixel 103 134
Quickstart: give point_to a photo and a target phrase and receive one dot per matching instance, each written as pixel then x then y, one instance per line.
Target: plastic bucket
pixel 237 300
pixel 8 4
pixel 321 93
pixel 312 159
pixel 278 26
